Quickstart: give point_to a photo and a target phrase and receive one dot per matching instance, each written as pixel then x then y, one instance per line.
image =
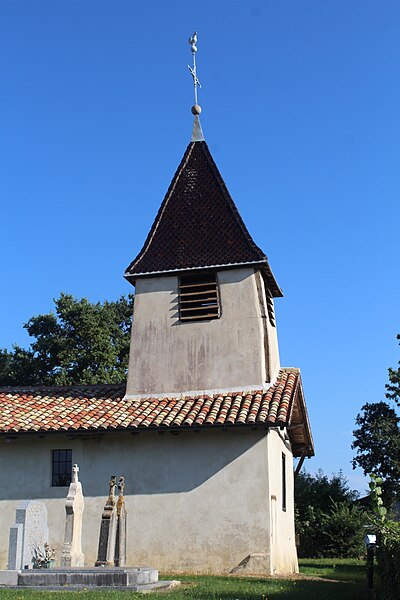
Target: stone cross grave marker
pixel 112 541
pixel 72 555
pixel 120 543
pixel 108 529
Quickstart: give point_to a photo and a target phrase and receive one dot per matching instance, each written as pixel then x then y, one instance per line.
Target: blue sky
pixel 301 112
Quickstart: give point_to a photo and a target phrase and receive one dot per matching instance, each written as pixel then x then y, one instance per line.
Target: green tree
pixel 377 439
pixel 393 388
pixel 377 444
pixel 327 521
pixel 319 490
pixel 82 342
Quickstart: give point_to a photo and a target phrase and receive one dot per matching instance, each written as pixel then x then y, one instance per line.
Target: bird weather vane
pixel 196 82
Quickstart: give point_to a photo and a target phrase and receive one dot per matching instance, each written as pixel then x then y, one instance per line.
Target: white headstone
pixel 72 555
pixel 30 531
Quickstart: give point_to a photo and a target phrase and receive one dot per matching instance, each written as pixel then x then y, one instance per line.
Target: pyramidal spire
pixel 197 134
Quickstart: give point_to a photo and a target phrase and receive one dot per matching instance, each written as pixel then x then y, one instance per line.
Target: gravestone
pixel 120 543
pixel 29 533
pixel 108 529
pixel 15 546
pixel 72 555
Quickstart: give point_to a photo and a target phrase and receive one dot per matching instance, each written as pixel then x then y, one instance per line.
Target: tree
pixel 393 388
pixel 327 521
pixel 377 443
pixel 319 490
pixel 82 342
pixel 377 439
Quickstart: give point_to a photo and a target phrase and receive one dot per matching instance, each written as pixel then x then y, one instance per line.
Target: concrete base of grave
pixel 136 579
pixel 9 578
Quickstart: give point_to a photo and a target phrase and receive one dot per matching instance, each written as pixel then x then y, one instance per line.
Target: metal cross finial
pixel 196 82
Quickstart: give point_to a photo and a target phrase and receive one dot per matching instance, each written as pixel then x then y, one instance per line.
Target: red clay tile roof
pixel 102 407
pixel 198 225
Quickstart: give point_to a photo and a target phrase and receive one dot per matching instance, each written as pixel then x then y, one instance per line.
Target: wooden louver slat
pixel 184 294
pixel 195 308
pixel 208 301
pixel 198 297
pixel 195 285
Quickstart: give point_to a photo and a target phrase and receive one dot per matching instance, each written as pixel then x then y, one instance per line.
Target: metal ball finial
pixel 196 109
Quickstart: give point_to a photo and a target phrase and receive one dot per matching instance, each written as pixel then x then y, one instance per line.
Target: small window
pixel 283 481
pixel 198 297
pixel 61 468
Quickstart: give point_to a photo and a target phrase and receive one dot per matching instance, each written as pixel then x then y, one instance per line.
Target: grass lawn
pixel 348 575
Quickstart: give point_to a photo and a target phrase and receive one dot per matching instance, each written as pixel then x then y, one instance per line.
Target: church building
pixel 205 428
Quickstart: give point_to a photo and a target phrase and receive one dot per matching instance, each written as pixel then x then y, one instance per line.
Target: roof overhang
pixel 298 424
pixel 262 265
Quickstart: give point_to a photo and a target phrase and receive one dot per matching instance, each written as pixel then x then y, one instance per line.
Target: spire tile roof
pixel 198 225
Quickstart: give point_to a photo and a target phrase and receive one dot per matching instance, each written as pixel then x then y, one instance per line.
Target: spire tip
pixel 197 134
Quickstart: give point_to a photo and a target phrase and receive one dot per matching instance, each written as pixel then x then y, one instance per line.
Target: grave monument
pixel 72 555
pixel 108 528
pixel 120 542
pixel 28 534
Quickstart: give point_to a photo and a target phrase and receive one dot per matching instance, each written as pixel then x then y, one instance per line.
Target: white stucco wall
pixel 196 502
pixel 282 533
pixel 273 352
pixel 170 356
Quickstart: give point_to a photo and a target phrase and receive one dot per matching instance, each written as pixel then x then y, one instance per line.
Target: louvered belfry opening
pixel 270 307
pixel 198 297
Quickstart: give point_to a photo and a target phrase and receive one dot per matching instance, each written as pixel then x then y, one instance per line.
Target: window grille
pixel 198 297
pixel 61 468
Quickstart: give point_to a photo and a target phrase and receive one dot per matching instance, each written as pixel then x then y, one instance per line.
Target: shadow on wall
pixel 151 463
pixel 164 464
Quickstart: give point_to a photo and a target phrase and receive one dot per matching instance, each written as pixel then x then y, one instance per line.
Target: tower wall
pixel 229 353
pixel 270 334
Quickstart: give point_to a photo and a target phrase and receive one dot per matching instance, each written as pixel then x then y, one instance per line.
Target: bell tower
pixel 204 302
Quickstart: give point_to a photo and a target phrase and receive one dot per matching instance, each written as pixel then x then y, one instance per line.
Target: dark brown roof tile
pixel 198 225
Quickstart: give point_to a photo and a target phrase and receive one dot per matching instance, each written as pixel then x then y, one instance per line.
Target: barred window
pixel 61 468
pixel 198 297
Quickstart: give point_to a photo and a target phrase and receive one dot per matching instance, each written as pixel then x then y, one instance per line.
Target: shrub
pixel 327 521
pixel 388 546
pixel 343 531
pixel 338 532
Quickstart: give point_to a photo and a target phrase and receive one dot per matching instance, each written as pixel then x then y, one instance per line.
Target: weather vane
pixel 196 82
